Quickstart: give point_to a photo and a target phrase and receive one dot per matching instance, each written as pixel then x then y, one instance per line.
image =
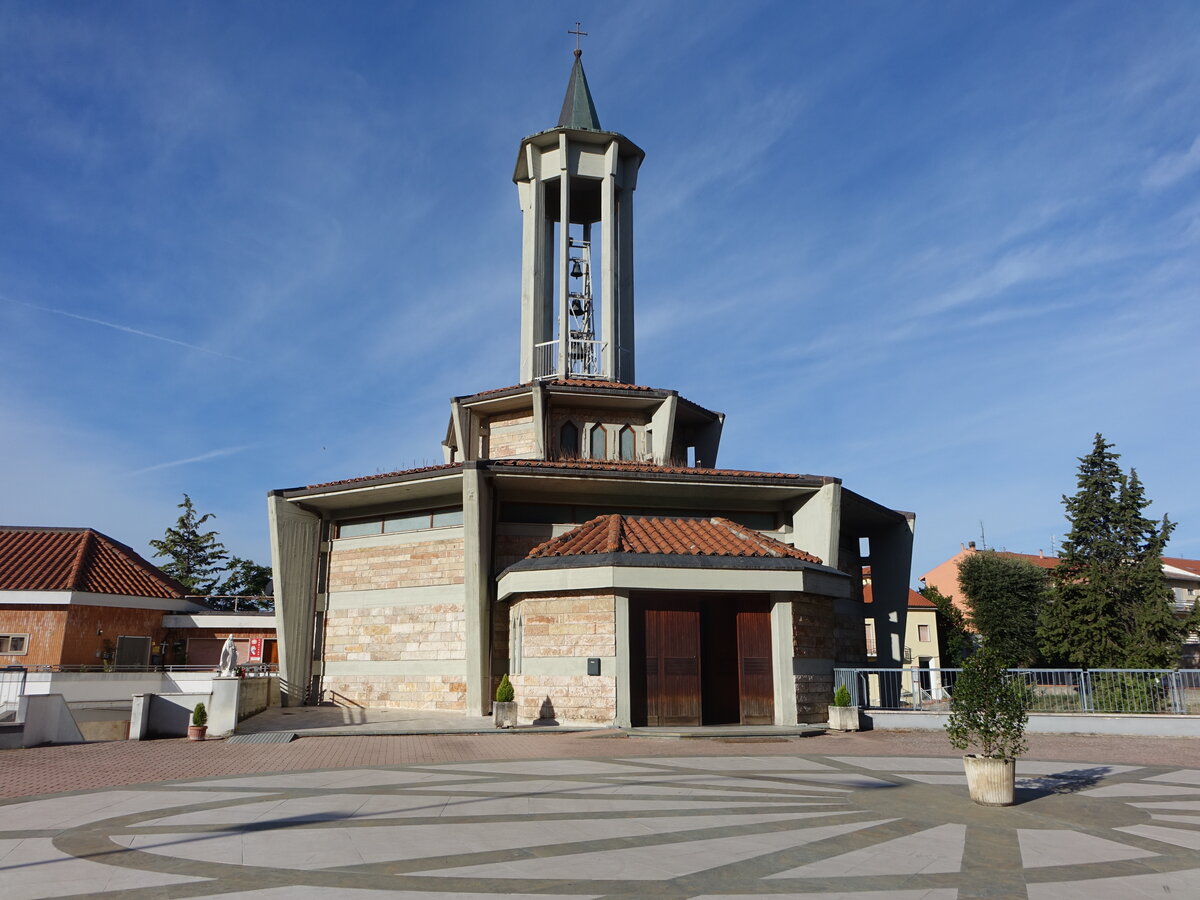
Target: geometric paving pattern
pixel 730 827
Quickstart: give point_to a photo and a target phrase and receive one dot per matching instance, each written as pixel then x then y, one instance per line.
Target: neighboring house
pixel 578 536
pixel 1182 575
pixel 76 597
pixel 921 633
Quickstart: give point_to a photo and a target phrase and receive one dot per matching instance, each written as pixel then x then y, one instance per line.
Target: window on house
pixel 416 520
pixel 923 633
pixel 870 624
pixel 626 442
pixel 598 443
pixel 568 440
pixel 14 644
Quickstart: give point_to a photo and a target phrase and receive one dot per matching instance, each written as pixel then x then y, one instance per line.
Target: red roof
pixel 1188 565
pixel 915 600
pixel 570 382
pixel 689 537
pixel 77 559
pixel 385 475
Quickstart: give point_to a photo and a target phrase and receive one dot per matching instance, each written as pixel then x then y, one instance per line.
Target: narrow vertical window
pixel 568 441
pixel 599 446
pixel 627 442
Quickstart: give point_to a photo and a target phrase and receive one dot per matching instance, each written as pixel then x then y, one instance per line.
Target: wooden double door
pixel 701 660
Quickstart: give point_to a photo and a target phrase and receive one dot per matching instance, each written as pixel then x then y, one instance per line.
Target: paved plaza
pixel 597 815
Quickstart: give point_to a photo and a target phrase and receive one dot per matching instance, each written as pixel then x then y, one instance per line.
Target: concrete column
pixel 891 563
pixel 477 587
pixel 625 354
pixel 541 424
pixel 662 423
pixel 817 524
pixel 783 655
pixel 624 663
pixel 564 253
pixel 295 538
pixel 608 258
pixel 223 705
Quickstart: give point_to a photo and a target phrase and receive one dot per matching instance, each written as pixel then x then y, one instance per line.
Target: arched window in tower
pixel 627 442
pixel 568 441
pixel 598 443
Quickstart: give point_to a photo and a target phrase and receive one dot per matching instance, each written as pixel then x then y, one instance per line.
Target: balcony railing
pixel 585 359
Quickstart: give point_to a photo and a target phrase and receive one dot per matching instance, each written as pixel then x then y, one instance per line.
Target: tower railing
pixel 585 359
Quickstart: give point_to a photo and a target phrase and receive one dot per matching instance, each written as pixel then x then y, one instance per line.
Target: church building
pixel 580 536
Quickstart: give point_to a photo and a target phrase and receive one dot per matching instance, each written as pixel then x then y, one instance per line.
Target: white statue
pixel 229 657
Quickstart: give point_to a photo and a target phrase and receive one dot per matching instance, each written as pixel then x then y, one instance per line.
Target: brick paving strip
pixel 45 770
pixel 597 815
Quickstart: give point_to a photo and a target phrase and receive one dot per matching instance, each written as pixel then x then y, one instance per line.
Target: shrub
pixel 988 708
pixel 841 697
pixel 505 691
pixel 199 715
pixel 1119 692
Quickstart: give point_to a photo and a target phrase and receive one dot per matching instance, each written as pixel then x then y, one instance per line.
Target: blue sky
pixel 930 248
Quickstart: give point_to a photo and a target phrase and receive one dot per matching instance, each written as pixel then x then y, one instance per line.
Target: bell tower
pixel 575 182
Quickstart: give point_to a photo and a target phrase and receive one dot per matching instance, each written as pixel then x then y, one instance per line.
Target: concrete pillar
pixel 624 663
pixel 478 591
pixel 223 705
pixel 295 542
pixel 817 524
pixel 662 424
pixel 783 659
pixel 891 564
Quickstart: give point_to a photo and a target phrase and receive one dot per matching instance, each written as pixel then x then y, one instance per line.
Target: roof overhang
pixel 386 490
pixel 221 620
pixel 86 598
pixel 666 572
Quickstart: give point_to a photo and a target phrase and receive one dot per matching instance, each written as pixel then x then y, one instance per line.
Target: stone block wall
pixel 509 435
pixel 396 565
pixel 567 627
pixel 434 631
pixel 813 638
pixel 566 699
pixel 448 692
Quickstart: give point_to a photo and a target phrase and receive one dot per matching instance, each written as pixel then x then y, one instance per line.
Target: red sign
pixel 256 648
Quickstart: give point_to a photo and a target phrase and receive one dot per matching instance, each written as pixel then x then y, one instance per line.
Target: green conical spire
pixel 578 110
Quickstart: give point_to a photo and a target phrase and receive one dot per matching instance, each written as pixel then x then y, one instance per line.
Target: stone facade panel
pixel 428 692
pixel 425 563
pixel 436 631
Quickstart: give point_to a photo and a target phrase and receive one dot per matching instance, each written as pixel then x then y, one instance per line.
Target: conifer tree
pixel 1112 607
pixel 195 558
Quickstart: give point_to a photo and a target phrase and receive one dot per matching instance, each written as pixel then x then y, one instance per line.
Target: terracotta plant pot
pixel 843 718
pixel 197 732
pixel 504 715
pixel 991 781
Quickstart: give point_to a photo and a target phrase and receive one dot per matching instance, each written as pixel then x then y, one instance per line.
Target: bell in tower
pixel 576 184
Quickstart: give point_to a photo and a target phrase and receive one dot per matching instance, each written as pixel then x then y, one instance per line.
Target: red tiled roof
pixel 1045 562
pixel 385 475
pixel 77 559
pixel 689 537
pixel 612 465
pixel 1188 565
pixel 570 382
pixel 915 600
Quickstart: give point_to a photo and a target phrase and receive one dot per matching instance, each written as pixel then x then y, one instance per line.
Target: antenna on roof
pixel 982 537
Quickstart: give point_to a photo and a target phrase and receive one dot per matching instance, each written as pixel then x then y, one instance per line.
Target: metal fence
pixel 1166 691
pixel 247 669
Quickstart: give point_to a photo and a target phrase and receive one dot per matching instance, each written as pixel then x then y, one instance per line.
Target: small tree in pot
pixel 199 726
pixel 504 710
pixel 988 710
pixel 842 716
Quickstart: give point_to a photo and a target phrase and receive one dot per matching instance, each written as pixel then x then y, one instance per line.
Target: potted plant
pixel 504 710
pixel 842 716
pixel 199 726
pixel 988 709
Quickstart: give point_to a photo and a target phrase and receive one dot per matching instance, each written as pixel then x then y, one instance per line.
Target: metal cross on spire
pixel 578 34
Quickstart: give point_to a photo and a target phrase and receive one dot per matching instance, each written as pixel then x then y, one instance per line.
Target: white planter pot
pixel 843 718
pixel 991 781
pixel 504 715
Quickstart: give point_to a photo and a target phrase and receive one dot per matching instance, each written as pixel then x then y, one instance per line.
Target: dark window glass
pixel 599 447
pixel 568 440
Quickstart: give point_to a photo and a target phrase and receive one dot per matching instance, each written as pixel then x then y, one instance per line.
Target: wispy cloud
pixel 1173 167
pixel 203 457
pixel 124 328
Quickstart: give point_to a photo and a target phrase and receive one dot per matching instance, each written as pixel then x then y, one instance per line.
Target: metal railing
pixel 1146 691
pixel 584 359
pixel 248 669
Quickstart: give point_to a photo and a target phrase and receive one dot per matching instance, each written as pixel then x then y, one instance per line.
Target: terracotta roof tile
pixel 915 600
pixel 612 465
pixel 688 537
pixel 77 559
pixel 379 475
pixel 1188 565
